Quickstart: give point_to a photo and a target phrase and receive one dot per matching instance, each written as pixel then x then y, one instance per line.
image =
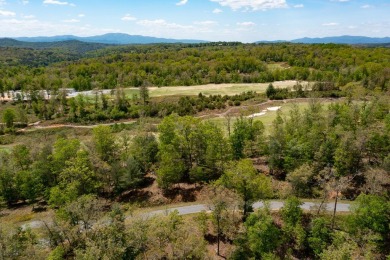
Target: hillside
pixel 109 38
pixel 14 53
pixel 346 39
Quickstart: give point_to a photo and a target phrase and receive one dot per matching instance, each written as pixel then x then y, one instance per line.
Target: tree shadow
pixel 134 195
pixel 187 194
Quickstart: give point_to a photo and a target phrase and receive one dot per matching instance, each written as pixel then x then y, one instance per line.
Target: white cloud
pixel 182 2
pixel 217 11
pixel 3 2
pixel 25 2
pixel 205 23
pixel 330 24
pixel 28 16
pixel 81 15
pixel 163 23
pixel 246 24
pixel 12 27
pixel 253 5
pixel 56 2
pixel 71 21
pixel 366 6
pixel 6 13
pixel 128 17
pixel 298 6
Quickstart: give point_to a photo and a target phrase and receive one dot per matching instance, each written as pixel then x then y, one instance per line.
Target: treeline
pixel 342 148
pixel 103 107
pixel 78 232
pixel 173 65
pixel 33 55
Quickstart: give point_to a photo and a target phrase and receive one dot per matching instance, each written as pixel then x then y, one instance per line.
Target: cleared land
pixel 214 89
pixel 269 116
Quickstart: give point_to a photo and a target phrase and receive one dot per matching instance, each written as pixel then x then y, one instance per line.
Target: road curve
pixel 192 209
pixel 274 205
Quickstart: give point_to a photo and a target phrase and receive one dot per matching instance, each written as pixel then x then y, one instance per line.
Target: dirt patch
pixel 152 195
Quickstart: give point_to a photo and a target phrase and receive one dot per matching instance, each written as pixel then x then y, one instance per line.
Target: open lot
pixel 213 89
pixel 268 116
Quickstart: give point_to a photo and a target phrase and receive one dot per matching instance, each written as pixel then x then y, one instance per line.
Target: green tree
pixel 271 91
pixel 144 93
pixel 9 117
pixel 300 179
pixel 77 178
pixel 263 235
pixel 294 233
pixel 104 143
pixel 246 136
pixel 243 178
pixel 190 150
pixel 370 212
pixel 144 148
pixel 63 151
pixel 223 204
pixel 320 235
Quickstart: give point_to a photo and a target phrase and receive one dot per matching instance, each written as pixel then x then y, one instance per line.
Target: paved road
pixel 192 209
pixel 275 205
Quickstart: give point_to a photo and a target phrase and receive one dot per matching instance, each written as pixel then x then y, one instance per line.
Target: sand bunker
pixel 273 108
pixel 257 114
pixel 263 112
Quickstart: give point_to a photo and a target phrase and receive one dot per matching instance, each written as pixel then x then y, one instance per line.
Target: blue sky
pixel 214 20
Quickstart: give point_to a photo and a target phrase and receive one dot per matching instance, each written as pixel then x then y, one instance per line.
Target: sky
pixel 212 20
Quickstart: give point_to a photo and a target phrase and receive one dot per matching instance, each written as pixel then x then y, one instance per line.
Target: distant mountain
pixel 73 46
pixel 346 39
pixel 110 38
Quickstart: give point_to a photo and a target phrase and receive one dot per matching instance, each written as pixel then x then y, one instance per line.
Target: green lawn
pixel 269 116
pixel 211 89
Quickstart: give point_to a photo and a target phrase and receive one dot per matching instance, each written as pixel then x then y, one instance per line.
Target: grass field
pixel 212 89
pixel 268 117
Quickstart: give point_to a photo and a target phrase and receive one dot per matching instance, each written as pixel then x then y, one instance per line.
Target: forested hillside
pixel 174 65
pixel 72 187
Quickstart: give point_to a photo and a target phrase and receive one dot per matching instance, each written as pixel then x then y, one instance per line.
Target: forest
pixel 96 168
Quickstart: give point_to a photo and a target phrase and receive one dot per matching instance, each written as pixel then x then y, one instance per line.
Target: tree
pixel 190 150
pixel 271 91
pixel 370 212
pixel 320 235
pixel 19 244
pixel 21 156
pixel 243 178
pixel 277 145
pixel 76 179
pixel 170 237
pixel 144 148
pixel 300 180
pixel 294 234
pixel 171 167
pixel 263 235
pixel 104 143
pixel 245 136
pixel 9 117
pixel 144 93
pixel 223 204
pixel 131 174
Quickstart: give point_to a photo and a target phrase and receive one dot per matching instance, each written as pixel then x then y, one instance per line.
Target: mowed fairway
pixel 269 116
pixel 213 89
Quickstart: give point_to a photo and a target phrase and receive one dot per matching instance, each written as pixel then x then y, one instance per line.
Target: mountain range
pixel 122 39
pixel 109 38
pixel 345 39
